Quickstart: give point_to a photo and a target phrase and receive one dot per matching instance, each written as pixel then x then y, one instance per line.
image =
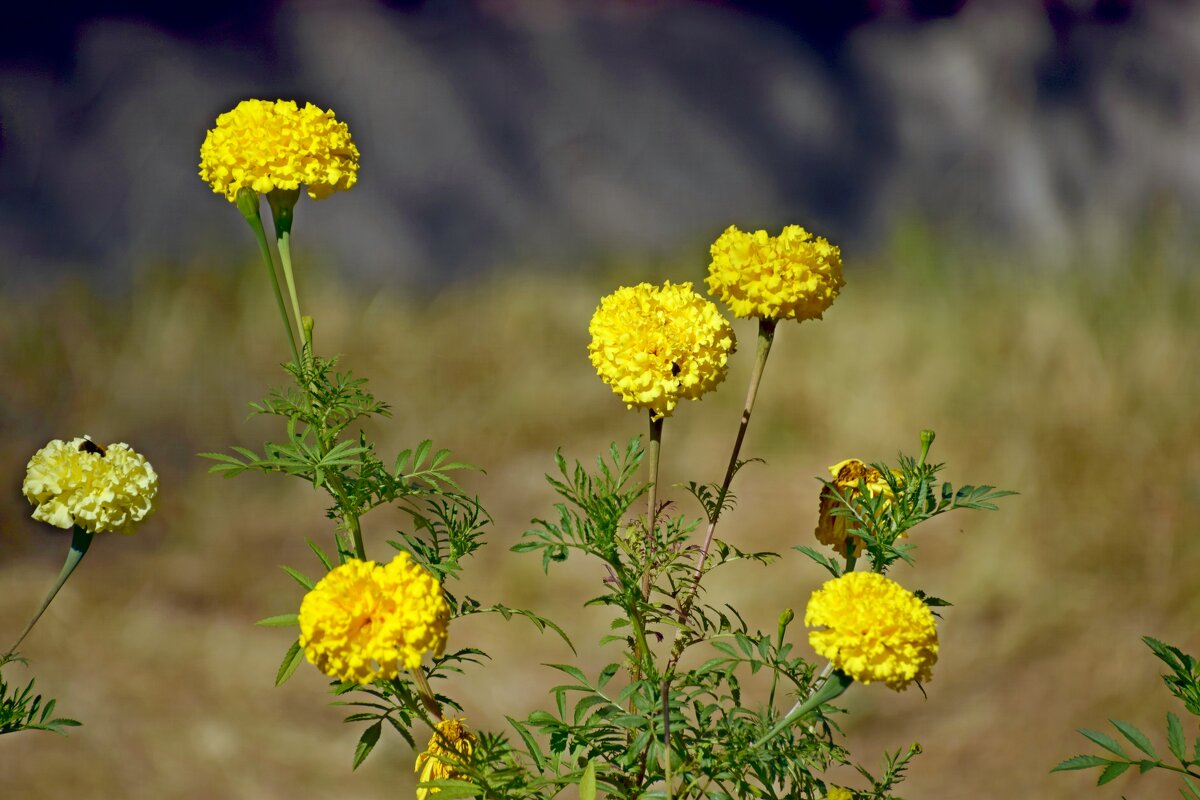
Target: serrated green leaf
pixel 1082 762
pixel 1112 772
pixel 279 621
pixel 324 559
pixel 367 742
pixel 574 672
pixel 1104 740
pixel 531 746
pixel 291 660
pixel 299 577
pixel 1135 736
pixel 1176 741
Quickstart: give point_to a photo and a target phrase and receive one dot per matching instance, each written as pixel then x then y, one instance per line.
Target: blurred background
pixel 1015 186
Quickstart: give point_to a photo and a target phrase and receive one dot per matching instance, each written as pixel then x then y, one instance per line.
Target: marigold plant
pixel 91 489
pixel 663 714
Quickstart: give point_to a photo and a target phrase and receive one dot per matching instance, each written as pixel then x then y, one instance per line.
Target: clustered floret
pixel 874 629
pixel 265 145
pixel 657 344
pixel 365 621
pixel 79 483
pixel 794 275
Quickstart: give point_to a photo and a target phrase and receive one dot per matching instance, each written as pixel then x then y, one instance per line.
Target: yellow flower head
pixel 833 529
pixel 453 742
pixel 656 344
pixel 794 275
pixel 97 488
pixel 364 621
pixel 277 145
pixel 875 629
pixel 839 793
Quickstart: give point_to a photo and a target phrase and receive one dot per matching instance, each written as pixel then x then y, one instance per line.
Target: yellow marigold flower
pixel 452 741
pixel 96 488
pixel 794 275
pixel 269 145
pixel 656 344
pixel 839 793
pixel 875 629
pixel 364 621
pixel 833 529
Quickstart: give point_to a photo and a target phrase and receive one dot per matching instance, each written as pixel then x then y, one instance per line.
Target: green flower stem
pixel 285 258
pixel 247 202
pixel 766 335
pixel 332 480
pixel 834 685
pixel 80 542
pixel 643 651
pixel 656 429
pixel 283 206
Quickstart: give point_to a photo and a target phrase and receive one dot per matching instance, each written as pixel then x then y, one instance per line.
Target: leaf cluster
pixel 914 495
pixel 23 710
pixel 647 722
pixel 319 449
pixel 1184 682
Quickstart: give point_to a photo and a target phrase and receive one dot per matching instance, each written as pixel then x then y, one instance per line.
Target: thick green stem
pixel 247 202
pixel 80 542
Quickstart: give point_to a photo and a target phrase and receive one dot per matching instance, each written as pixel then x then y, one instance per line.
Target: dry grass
pixel 1080 395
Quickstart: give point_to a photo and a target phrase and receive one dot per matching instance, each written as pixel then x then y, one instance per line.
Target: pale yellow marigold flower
pixel 97 488
pixel 794 275
pixel 656 344
pixel 452 741
pixel 839 793
pixel 833 529
pixel 364 621
pixel 267 145
pixel 875 629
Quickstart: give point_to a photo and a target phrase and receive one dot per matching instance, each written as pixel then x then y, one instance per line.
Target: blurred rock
pixel 562 134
